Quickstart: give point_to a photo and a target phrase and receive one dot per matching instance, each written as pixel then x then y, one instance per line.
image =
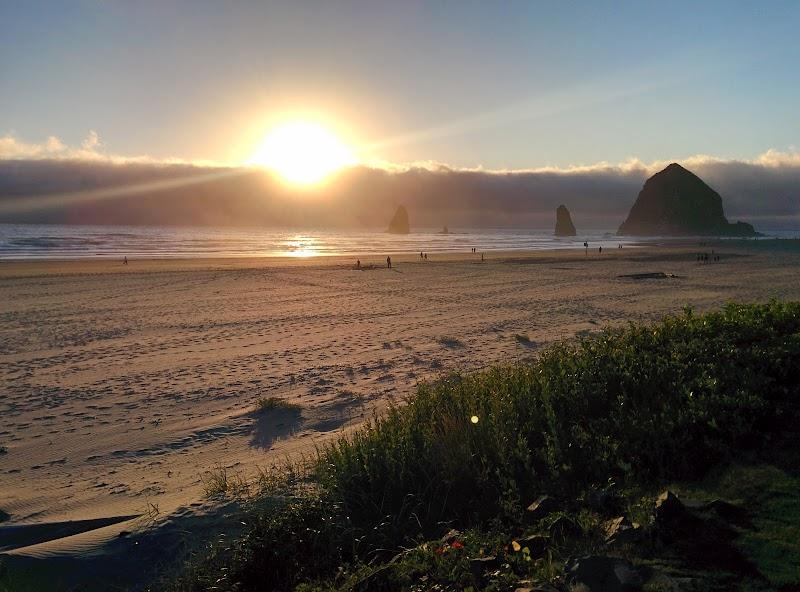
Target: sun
pixel 302 153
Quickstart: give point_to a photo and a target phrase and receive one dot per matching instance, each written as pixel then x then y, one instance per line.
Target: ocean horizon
pixel 59 241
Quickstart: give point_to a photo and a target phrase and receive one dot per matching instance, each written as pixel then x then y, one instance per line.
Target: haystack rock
pixel 676 202
pixel 399 223
pixel 564 225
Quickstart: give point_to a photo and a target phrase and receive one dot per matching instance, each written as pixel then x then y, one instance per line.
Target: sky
pixel 497 85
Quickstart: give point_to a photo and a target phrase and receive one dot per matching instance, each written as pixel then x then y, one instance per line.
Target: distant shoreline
pixel 10 268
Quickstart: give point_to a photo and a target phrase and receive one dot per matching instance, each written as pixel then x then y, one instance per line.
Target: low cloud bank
pixel 74 187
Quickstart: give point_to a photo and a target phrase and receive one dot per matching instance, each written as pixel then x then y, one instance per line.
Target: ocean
pixel 53 241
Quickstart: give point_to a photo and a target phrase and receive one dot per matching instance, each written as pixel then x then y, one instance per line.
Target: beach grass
pixel 220 482
pixel 268 404
pixel 450 342
pixel 636 408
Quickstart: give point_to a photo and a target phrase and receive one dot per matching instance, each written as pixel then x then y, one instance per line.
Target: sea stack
pixel 564 225
pixel 676 202
pixel 399 223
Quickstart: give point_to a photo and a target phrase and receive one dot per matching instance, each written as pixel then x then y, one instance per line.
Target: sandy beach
pixel 122 387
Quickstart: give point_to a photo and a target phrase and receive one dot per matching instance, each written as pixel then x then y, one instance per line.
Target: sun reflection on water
pixel 301 246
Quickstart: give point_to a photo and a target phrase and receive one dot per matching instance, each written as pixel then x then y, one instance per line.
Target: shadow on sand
pixel 273 425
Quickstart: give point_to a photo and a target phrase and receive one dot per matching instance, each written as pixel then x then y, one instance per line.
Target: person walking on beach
pixel 125 260
pixel 358 263
pixel 420 255
pixel 481 257
pixel 388 262
pixel 600 250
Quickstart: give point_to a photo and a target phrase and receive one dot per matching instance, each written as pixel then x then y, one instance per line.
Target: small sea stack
pixel 564 225
pixel 399 223
pixel 676 202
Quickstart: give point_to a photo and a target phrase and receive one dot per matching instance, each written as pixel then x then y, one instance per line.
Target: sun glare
pixel 302 153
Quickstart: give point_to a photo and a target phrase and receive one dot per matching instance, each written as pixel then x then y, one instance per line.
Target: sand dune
pixel 123 386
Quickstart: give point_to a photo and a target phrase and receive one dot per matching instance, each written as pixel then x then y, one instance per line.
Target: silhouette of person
pixel 125 261
pixel 481 256
pixel 420 254
pixel 389 262
pixel 600 250
pixel 358 263
pixel 426 256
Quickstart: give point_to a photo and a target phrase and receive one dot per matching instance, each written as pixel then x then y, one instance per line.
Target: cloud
pixel 91 142
pixel 90 149
pixel 12 148
pixel 54 182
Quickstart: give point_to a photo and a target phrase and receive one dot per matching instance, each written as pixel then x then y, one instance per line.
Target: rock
pixel 605 502
pixel 621 531
pixel 4 516
pixel 451 536
pixel 564 225
pixel 536 544
pixel 564 528
pixel 676 202
pixel 399 223
pixel 480 565
pixel 541 507
pixel 728 512
pixel 668 507
pixel 602 574
pixel 536 588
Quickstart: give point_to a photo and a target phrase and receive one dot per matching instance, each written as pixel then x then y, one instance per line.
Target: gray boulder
pixel 597 573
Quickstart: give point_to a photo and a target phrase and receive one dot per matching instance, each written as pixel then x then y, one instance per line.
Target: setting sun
pixel 302 153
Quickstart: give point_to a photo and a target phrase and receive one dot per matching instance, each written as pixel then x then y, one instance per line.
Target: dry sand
pixel 122 386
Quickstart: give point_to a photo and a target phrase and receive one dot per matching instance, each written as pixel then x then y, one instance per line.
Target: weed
pixel 267 404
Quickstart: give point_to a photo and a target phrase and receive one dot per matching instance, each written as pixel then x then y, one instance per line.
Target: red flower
pixel 457 545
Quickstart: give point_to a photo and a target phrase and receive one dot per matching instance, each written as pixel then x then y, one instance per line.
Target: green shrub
pixel 651 403
pixel 639 405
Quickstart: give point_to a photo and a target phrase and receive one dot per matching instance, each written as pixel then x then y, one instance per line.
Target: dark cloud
pixel 764 192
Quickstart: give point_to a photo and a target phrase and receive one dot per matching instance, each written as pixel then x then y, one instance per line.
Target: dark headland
pixel 676 202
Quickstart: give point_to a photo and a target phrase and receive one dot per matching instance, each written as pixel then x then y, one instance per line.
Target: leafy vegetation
pixel 632 408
